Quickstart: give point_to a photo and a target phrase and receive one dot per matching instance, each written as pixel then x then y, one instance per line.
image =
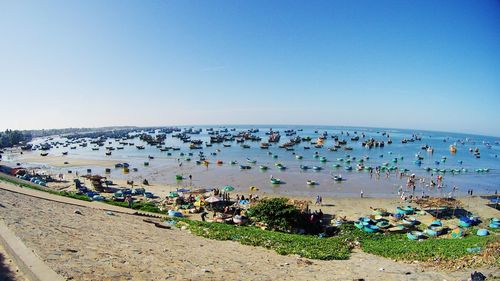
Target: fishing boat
pixel 348 168
pixel 415 235
pixel 457 233
pixel 108 153
pixel 275 181
pixel 494 223
pixel 436 223
pixel 410 221
pixel 407 210
pixel 370 228
pixel 262 167
pixel 383 224
pixel 44 154
pixel 264 145
pixel 338 178
pixel 482 232
pixel 380 212
pixel 304 167
pixel 453 148
pixel 298 157
pixel 251 161
pixel 179 177
pixel 468 221
pixel 434 231
pixel 245 167
pixel 311 182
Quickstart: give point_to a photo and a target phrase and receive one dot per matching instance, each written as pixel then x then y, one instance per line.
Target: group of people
pixel 223 194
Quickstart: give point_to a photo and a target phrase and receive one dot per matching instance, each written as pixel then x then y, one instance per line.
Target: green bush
pixel 276 213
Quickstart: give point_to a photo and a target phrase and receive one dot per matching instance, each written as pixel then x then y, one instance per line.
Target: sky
pixel 431 65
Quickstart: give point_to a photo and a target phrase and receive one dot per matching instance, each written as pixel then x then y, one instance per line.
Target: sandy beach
pixel 8 268
pixel 350 207
pixel 96 246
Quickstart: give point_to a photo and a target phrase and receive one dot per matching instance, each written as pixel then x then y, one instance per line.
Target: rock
pixel 109 213
pixel 381 269
pixel 78 212
pixel 205 270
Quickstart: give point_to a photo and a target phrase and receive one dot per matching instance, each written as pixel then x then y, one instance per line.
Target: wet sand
pixel 97 246
pixel 162 171
pixel 58 161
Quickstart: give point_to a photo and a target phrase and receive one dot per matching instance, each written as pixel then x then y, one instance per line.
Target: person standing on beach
pixel 361 194
pixel 129 200
pixel 204 215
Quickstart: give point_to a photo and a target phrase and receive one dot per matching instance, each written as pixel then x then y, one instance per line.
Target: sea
pixel 461 170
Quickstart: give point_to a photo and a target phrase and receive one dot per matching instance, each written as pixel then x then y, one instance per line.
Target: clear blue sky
pixel 404 64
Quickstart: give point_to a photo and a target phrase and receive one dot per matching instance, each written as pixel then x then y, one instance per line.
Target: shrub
pixel 276 213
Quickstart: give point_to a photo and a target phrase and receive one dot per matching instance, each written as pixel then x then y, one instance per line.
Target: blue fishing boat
pixel 415 235
pixel 407 210
pixel 434 231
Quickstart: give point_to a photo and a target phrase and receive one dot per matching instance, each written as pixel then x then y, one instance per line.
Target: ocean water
pixel 163 168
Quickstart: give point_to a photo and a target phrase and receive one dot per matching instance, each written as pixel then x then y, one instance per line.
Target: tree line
pixel 9 138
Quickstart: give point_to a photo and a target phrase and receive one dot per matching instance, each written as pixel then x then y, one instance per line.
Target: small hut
pixel 440 207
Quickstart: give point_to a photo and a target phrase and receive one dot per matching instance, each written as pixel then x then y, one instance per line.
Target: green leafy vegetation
pixel 138 205
pixel 307 246
pixel 399 247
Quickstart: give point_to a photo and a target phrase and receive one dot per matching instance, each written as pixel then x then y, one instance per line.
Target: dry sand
pixel 97 246
pixel 8 268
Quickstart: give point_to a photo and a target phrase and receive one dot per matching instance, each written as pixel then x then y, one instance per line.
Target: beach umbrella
pixel 213 199
pixel 228 188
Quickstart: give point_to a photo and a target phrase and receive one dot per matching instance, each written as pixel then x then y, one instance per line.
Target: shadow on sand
pixel 5 273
